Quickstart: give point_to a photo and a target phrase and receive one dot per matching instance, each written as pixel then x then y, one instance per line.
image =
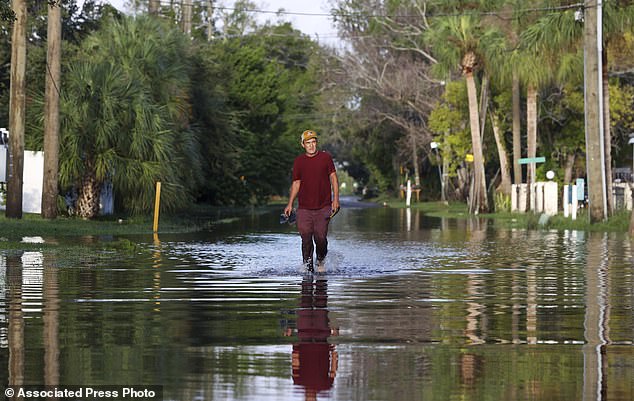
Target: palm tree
pixel 126 118
pixel 517 128
pixel 92 114
pixel 543 56
pixel 463 41
pixel 51 113
pixel 513 24
pixel 505 171
pixel 535 74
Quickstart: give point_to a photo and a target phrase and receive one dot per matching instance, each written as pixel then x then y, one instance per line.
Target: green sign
pixel 528 160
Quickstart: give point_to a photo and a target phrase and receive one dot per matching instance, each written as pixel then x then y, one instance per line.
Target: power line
pixel 574 6
pixel 280 12
pixel 168 3
pixel 499 14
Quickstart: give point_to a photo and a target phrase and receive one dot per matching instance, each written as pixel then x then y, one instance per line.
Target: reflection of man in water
pixel 314 359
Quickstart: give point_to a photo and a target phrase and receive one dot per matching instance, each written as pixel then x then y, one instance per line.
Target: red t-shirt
pixel 314 174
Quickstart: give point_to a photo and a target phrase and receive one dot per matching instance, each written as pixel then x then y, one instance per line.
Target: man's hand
pixel 335 205
pixel 288 209
pixel 291 198
pixel 334 208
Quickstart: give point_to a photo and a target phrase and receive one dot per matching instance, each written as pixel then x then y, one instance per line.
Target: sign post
pixel 157 202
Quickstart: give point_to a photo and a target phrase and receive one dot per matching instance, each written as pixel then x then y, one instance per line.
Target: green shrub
pixel 502 202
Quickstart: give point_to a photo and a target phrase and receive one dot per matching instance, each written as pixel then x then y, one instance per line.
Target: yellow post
pixel 157 202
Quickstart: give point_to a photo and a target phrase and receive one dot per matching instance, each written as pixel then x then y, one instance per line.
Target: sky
pixel 318 27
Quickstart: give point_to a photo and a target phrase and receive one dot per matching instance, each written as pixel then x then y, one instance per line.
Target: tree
pixel 128 121
pixel 562 35
pixel 271 79
pixel 390 76
pixel 51 112
pixel 517 128
pixel 449 120
pixel 17 111
pixel 217 127
pixel 399 79
pixel 494 107
pixel 546 54
pixel 497 120
pixel 512 18
pixel 562 128
pixel 237 21
pixel 6 13
pixel 77 23
pixel 463 41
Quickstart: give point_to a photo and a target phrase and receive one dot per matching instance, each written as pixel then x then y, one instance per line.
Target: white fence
pixel 32 183
pixel 622 193
pixel 539 197
pixel 542 197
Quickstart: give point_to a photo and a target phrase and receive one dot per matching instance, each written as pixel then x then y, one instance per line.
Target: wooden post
pixel 595 158
pixel 17 111
pixel 157 202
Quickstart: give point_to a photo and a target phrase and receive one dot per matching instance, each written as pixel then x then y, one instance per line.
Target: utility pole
pixel 595 158
pixel 17 108
pixel 187 13
pixel 51 110
pixel 210 20
pixel 154 7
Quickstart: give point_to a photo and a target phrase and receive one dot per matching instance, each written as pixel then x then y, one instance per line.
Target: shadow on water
pixel 410 308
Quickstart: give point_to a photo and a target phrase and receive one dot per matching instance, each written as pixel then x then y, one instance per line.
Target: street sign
pixel 528 160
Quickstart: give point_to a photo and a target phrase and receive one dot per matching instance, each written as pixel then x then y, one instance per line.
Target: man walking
pixel 316 187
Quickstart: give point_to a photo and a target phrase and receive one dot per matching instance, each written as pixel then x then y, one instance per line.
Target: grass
pixel 197 218
pixel 78 232
pixel 619 222
pixel 33 225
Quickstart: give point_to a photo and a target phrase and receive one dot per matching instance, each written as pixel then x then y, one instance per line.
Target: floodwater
pixel 410 308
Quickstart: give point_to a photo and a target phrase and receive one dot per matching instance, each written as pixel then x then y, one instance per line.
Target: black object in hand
pixel 290 219
pixel 333 213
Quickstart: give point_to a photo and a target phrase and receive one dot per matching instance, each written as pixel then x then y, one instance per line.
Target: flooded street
pixel 410 308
